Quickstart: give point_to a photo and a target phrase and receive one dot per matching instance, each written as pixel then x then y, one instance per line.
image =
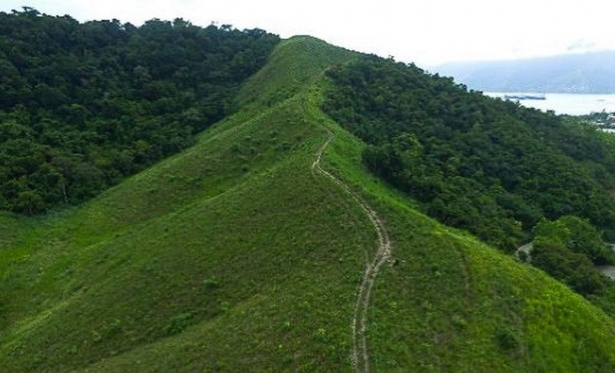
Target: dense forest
pixel 489 166
pixel 568 249
pixel 84 105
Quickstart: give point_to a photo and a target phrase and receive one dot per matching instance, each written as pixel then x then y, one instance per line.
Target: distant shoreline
pixel 563 103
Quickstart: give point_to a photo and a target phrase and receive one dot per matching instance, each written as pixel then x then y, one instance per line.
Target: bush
pixel 178 323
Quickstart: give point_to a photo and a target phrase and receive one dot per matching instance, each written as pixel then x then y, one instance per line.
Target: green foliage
pixel 507 339
pixel 82 106
pixel 485 165
pixel 569 267
pixel 211 283
pixel 568 249
pixel 576 235
pixel 178 323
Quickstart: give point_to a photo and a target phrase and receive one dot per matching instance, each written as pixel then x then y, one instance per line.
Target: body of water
pixel 566 103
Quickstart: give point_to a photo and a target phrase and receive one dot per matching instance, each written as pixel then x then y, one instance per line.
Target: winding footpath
pixel 360 355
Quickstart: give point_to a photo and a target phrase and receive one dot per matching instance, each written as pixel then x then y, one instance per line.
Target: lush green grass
pixel 292 67
pixel 236 256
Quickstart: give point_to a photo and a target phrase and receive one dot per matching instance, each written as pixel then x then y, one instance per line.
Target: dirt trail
pixel 360 355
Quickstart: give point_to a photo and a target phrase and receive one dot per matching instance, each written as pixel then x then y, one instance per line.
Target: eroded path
pixel 360 354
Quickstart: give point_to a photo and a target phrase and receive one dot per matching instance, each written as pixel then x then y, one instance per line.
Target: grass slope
pixel 236 256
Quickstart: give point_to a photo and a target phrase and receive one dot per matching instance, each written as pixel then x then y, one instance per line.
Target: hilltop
pixel 268 245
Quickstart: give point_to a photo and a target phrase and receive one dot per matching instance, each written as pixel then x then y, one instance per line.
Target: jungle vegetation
pixel 83 105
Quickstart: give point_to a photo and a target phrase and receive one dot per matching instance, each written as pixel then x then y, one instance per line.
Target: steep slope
pixel 240 254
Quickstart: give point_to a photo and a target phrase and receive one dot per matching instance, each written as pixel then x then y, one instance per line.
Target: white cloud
pixel 425 31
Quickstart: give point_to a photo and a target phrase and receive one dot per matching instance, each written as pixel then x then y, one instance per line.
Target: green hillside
pixel 267 246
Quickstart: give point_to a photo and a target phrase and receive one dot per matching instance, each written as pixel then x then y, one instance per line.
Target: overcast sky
pixel 426 32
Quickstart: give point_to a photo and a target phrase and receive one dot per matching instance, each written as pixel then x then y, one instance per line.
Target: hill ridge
pixel 383 254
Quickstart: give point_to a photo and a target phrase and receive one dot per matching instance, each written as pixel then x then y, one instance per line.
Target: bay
pixel 565 103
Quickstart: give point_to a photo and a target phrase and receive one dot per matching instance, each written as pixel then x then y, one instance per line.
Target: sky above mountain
pixel 427 32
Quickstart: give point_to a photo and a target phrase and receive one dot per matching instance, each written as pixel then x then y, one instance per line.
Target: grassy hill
pixel 240 254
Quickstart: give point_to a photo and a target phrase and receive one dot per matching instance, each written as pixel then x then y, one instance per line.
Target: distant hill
pixel 572 73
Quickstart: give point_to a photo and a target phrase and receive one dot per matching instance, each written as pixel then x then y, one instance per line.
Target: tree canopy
pixel 567 249
pixel 83 105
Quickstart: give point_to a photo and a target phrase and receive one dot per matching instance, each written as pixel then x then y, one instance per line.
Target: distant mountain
pixel 572 73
